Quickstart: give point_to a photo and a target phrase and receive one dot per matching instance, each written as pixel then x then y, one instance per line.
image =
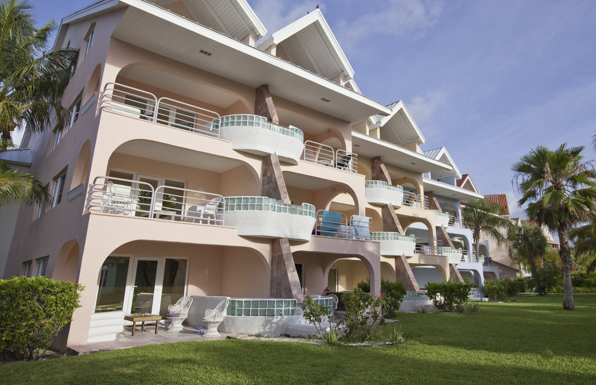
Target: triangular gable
pixel 398 127
pixel 310 43
pixel 501 200
pixel 467 183
pixel 441 154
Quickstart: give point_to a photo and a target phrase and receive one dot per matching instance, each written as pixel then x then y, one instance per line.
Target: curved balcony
pixel 393 244
pixel 441 219
pixel 253 134
pixel 379 192
pixel 267 218
pixel 455 255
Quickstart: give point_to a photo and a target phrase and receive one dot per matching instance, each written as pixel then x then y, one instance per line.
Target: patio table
pixel 142 318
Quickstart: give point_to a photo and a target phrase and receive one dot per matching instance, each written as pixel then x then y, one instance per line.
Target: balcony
pixel 253 134
pixel 441 219
pixel 336 224
pixel 267 218
pixel 379 192
pixel 139 104
pixel 412 199
pixel 456 222
pixel 131 198
pixel 393 244
pixel 454 255
pixel 325 155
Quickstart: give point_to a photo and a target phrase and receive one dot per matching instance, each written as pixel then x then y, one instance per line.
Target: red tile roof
pixel 501 200
pixel 465 178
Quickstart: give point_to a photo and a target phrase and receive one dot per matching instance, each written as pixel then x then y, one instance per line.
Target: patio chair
pixel 213 317
pixel 205 211
pixel 118 199
pixel 344 162
pixel 361 226
pixel 335 300
pixel 330 223
pixel 177 313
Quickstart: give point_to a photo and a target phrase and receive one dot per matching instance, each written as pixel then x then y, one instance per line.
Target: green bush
pixel 32 312
pixel 315 313
pixel 393 292
pixel 576 290
pixel 363 314
pixel 448 296
pixel 502 289
pixel 550 276
pixel 529 283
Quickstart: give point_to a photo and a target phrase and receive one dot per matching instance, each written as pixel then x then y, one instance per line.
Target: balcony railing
pixel 135 103
pixel 441 218
pixel 383 185
pixel 133 198
pixel 336 224
pixel 456 222
pixel 267 204
pixel 414 200
pixel 391 236
pixel 325 155
pixel 468 257
pixel 379 192
pixel 261 122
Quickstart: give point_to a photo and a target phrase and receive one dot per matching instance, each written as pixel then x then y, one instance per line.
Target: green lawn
pixel 532 341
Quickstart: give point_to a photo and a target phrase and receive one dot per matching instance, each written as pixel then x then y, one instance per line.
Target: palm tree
pixel 482 216
pixel 526 243
pixel 559 188
pixel 32 80
pixel 584 239
pixel 32 76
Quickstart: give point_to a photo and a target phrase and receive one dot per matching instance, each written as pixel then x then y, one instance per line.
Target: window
pixel 300 271
pixel 57 137
pixel 58 189
pixel 41 207
pixel 27 268
pixel 74 112
pixel 42 264
pixel 332 280
pixel 88 41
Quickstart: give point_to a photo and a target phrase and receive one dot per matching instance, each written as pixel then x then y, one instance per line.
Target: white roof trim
pixel 471 181
pixel 252 16
pixel 401 106
pixel 444 151
pixel 454 189
pixel 297 26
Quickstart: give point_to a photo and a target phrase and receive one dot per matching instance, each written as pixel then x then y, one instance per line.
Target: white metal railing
pixel 323 154
pixel 318 153
pixel 336 224
pixel 140 104
pixel 467 257
pixel 187 117
pixel 347 161
pixel 414 200
pixel 425 246
pixel 455 221
pixel 139 199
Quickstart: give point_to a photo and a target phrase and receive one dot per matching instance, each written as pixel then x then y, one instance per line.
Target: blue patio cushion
pixel 361 226
pixel 330 223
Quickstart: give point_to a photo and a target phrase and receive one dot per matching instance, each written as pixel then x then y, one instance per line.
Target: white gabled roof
pixel 441 154
pixel 310 43
pixel 398 127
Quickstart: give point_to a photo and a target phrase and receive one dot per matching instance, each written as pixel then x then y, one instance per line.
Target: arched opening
pixel 387 271
pixel 489 275
pixel 409 184
pixel 93 85
pixel 471 276
pixel 427 274
pixel 423 231
pixel 483 251
pixel 67 264
pixel 81 171
pixel 364 169
pixel 349 273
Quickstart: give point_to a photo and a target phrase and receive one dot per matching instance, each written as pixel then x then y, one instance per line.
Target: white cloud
pixel 404 19
pixel 424 107
pixel 276 14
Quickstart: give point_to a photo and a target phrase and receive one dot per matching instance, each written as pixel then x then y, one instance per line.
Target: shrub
pixel 448 296
pixel 32 312
pixel 529 284
pixel 550 276
pixel 393 292
pixel 332 338
pixel 315 313
pixel 363 313
pixel 396 336
pixel 493 290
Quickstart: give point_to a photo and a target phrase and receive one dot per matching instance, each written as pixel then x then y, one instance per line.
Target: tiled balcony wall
pixel 393 244
pixel 379 192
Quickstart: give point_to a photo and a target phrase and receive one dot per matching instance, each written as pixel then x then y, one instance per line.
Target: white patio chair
pixel 213 317
pixel 177 313
pixel 118 199
pixel 204 212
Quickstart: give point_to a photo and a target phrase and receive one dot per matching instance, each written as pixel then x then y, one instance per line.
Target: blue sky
pixel 487 79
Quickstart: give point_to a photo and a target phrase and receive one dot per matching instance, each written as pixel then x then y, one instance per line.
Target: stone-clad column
pixel 404 274
pixel 273 184
pixel 264 104
pixel 284 277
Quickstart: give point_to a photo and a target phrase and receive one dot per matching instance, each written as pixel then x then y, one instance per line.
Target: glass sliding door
pixel 144 287
pixel 112 284
pixel 174 283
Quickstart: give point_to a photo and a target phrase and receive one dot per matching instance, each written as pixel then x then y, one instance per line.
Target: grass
pixel 531 341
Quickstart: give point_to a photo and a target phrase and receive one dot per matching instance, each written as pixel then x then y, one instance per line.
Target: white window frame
pixel 89 41
pixel 336 279
pixel 57 138
pixel 75 111
pixel 27 265
pixel 58 191
pixel 41 266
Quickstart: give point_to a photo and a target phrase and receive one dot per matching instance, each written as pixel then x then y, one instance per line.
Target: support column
pixel 433 203
pixel 404 274
pixel 264 104
pixel 378 170
pixel 273 184
pixel 390 221
pixel 284 277
pixel 455 275
pixel 444 237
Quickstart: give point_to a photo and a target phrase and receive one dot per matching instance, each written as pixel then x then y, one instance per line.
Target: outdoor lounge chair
pixel 330 223
pixel 177 313
pixel 204 213
pixel 344 162
pixel 213 317
pixel 118 199
pixel 361 226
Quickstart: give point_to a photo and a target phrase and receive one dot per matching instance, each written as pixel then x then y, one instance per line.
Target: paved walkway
pixel 125 340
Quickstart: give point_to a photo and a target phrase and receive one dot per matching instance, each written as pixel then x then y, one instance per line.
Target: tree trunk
pixel 565 255
pixel 477 240
pixel 535 275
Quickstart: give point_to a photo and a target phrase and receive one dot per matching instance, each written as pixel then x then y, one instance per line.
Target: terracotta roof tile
pixel 500 199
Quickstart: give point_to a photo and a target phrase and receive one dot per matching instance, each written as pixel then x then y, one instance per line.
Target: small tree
pixel 393 292
pixel 526 244
pixel 482 216
pixel 315 313
pixel 32 312
pixel 584 238
pixel 363 313
pixel 448 296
